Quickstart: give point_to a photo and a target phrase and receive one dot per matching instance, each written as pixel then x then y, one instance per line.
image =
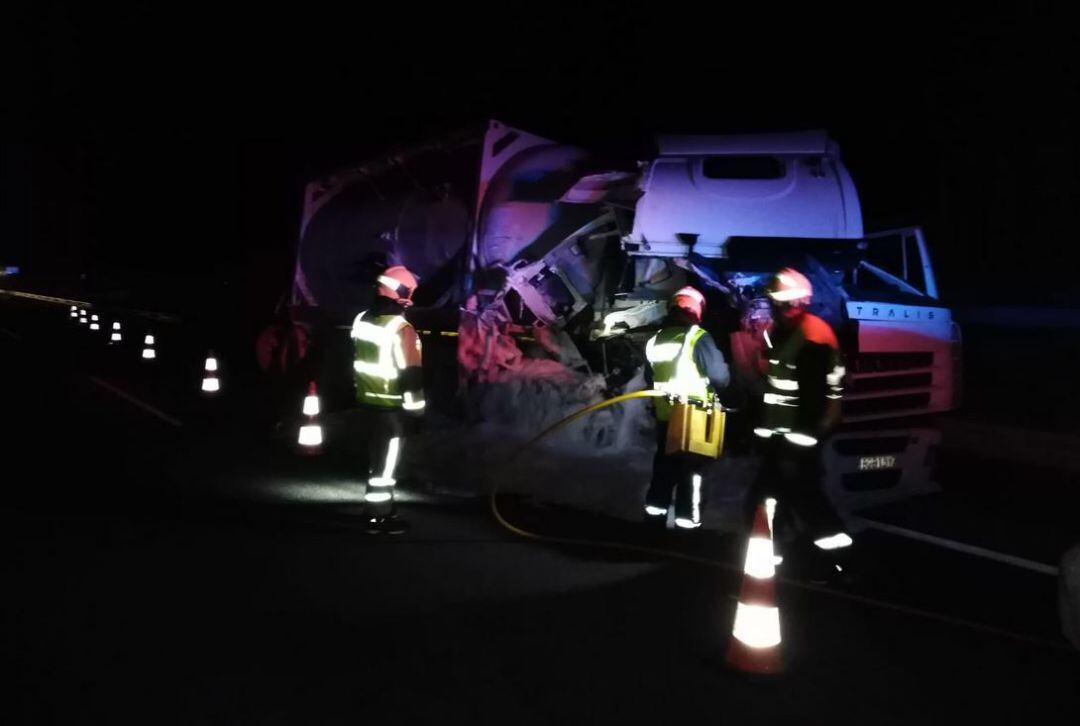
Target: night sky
pixel 147 144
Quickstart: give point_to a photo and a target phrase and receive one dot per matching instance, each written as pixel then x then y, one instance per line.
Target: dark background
pixel 174 144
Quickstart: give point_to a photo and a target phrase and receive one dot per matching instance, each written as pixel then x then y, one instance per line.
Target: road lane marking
pixel 136 402
pixel 965 548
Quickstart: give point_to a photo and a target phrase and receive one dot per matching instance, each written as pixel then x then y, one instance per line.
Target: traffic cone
pixel 82 317
pixel 210 383
pixel 148 352
pixel 94 323
pixel 311 435
pixel 116 337
pixel 755 638
pixel 74 312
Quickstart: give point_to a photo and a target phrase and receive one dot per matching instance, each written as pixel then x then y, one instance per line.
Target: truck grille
pixel 899 382
pixel 880 385
pixel 886 406
pixel 888 362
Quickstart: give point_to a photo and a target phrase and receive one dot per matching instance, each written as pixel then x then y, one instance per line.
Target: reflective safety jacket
pixel 387 361
pixel 670 354
pixel 805 382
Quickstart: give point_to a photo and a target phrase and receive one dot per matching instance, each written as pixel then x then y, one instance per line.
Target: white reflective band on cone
pixel 759 559
pixel 148 353
pixel 95 326
pixel 654 511
pixel 757 626
pixel 94 318
pixel 311 435
pixel 377 497
pixel 82 320
pixel 311 405
pixel 116 326
pixel 211 364
pixel 686 523
pixel 763 432
pixel 800 439
pixel 148 340
pixel 770 514
pixel 210 385
pixel 116 337
pixel 835 542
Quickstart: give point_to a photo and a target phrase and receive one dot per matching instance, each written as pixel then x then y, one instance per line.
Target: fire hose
pixel 503 522
pixel 718 564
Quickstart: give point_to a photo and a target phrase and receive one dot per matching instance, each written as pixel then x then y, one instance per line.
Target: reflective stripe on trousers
pixel 379 496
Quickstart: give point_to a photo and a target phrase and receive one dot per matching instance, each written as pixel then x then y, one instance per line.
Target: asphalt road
pixel 194 571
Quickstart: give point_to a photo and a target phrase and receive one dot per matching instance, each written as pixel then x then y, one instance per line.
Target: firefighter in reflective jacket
pixel 683 361
pixel 801 405
pixel 389 389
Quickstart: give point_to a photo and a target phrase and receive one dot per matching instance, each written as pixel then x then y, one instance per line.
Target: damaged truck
pixel 531 250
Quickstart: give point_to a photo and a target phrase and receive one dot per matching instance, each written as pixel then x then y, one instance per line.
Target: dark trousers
pixel 793 475
pixel 384 432
pixel 675 473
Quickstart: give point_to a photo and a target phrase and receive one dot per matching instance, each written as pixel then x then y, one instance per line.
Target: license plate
pixel 876 463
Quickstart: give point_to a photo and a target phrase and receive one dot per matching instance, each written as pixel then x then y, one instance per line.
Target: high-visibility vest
pixel 380 360
pixel 670 354
pixel 782 398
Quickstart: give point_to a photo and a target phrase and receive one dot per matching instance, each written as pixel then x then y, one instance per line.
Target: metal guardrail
pixel 149 314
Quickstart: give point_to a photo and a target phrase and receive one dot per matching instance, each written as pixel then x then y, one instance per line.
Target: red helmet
pixel 790 286
pixel 691 300
pixel 398 284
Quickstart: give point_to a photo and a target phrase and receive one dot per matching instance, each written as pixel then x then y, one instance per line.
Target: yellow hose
pixel 649 393
pixel 709 562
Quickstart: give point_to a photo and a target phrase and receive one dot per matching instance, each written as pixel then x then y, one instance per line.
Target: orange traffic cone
pixel 82 317
pixel 74 312
pixel 311 436
pixel 755 638
pixel 94 325
pixel 210 383
pixel 117 336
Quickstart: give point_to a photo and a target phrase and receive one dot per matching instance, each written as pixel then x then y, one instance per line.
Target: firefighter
pixel 389 390
pixel 683 361
pixel 800 406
